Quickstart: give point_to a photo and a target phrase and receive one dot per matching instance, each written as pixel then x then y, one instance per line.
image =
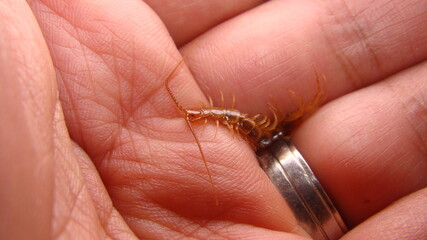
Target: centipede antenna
pixel 203 157
pixel 182 109
pixel 173 72
pixel 169 77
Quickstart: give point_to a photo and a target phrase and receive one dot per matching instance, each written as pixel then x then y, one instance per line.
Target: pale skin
pixel 92 146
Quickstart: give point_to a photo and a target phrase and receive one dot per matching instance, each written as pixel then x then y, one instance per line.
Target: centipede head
pixel 193 114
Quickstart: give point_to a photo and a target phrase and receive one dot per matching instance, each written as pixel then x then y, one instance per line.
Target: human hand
pixel 366 145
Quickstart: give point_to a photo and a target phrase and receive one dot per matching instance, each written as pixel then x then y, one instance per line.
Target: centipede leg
pixel 298 113
pixel 255 117
pixel 314 103
pixel 320 94
pixel 230 127
pixel 204 125
pixel 210 101
pixel 275 121
pixel 222 98
pixel 266 123
pixel 237 128
pixel 262 121
pixel 278 108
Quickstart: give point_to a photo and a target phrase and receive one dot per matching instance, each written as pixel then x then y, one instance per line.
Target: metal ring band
pixel 295 181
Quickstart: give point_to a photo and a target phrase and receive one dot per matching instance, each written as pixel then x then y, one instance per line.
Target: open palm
pixel 109 155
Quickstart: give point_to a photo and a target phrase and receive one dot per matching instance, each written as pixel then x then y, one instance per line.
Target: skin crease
pixel 92 146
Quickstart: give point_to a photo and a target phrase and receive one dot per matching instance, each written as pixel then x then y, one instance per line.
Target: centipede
pixel 259 130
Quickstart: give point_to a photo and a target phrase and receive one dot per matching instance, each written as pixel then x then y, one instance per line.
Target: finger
pixel 404 219
pixel 101 218
pixel 186 20
pixel 27 100
pixel 369 148
pixel 274 46
pixel 41 186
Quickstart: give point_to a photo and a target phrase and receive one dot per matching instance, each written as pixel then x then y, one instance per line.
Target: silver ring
pixel 303 193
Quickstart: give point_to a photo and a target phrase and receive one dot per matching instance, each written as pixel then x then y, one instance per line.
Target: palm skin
pixel 109 155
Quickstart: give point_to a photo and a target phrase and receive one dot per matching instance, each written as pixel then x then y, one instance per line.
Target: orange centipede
pixel 258 130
